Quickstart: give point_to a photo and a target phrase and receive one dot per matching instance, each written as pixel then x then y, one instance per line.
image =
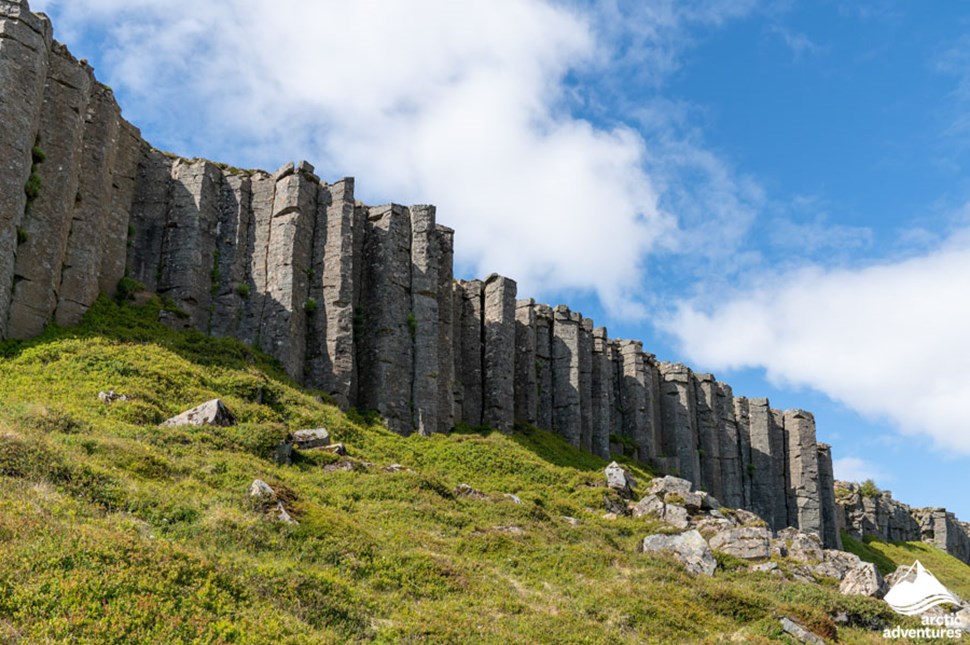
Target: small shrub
pixel 242 290
pixel 127 288
pixel 869 489
pixel 412 325
pixel 22 236
pixel 310 306
pixel 32 187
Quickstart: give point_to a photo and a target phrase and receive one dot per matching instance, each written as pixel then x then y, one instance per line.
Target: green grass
pixel 887 556
pixel 115 530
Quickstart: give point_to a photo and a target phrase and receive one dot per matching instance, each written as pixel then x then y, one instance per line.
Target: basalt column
pixel 526 373
pixel 149 217
pixel 586 384
pixel 679 419
pixel 384 353
pixel 731 479
pixel 424 317
pixel 544 389
pixel 445 240
pixel 331 358
pixel 43 233
pixel 189 240
pixel 603 388
pixel 742 416
pixel 123 177
pixel 230 276
pixel 263 196
pixel 709 433
pixel 469 360
pixel 768 490
pixel 806 513
pixel 566 412
pixel 25 42
pixel 499 357
pixel 826 484
pixel 633 397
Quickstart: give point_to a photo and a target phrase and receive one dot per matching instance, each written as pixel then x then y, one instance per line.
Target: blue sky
pixel 774 192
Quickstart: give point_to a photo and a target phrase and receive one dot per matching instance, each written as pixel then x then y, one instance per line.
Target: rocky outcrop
pixel 357 301
pixel 864 511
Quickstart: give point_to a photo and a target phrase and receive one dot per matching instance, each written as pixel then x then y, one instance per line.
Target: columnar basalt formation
pixel 357 301
pixel 864 511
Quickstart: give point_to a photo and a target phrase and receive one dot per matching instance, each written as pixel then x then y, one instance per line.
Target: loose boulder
pixel 688 548
pixel 669 485
pixel 620 480
pixel 799 633
pixel 210 413
pixel 315 438
pixel 746 542
pixel 863 580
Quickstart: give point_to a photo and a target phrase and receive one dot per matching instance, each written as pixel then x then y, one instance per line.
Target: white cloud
pixel 888 340
pixel 460 104
pixel 854 469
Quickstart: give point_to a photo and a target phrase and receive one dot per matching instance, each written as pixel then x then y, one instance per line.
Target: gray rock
pixel 447 410
pixel 767 469
pixel 283 455
pixel 649 506
pixel 863 580
pixel 566 411
pixel 633 396
pixel 669 484
pixel 747 542
pixel 708 433
pixel 765 567
pixel 676 516
pixel 806 510
pixel 313 438
pixel 213 413
pixel 111 396
pixel 678 407
pixel 499 354
pixel 470 371
pixel 688 548
pixel 586 384
pixel 831 537
pixel 804 547
pixel 730 449
pixel 337 449
pixel 526 383
pixel 603 398
pixel 618 479
pixel 544 366
pixel 464 490
pixel 513 498
pixel 261 492
pixel 425 263
pixel 800 634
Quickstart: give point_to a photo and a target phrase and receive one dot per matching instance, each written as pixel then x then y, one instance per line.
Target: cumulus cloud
pixel 464 105
pixel 887 340
pixel 854 469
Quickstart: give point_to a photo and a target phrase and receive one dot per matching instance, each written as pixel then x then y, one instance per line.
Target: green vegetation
pixel 22 235
pixel 412 322
pixel 887 556
pixel 242 290
pixel 116 530
pixel 310 306
pixel 869 489
pixel 34 182
pixel 127 288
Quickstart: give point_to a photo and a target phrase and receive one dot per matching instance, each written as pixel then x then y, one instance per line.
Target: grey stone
pixel 526 383
pixel 447 412
pixel 806 513
pixel 211 413
pixel 799 633
pixel 831 538
pixel 618 479
pixel 471 369
pixel 633 396
pixel 863 580
pixel 676 516
pixel 424 318
pixel 544 388
pixel 586 384
pixel 679 414
pixel 312 438
pixel 708 433
pixel 464 490
pixel 649 506
pixel 111 396
pixel 566 405
pixel 669 484
pixel 732 487
pixel 688 548
pixel 499 354
pixel 262 492
pixel 768 485
pixel 746 542
pixel 603 387
pixel 283 455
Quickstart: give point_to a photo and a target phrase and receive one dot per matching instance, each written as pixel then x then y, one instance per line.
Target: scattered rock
pixel 835 564
pixel 747 518
pixel 613 506
pixel 609 516
pixel 676 516
pixel 465 490
pixel 337 449
pixel 315 438
pixel 799 633
pixel 669 484
pixel 805 547
pixel 709 526
pixel 688 548
pixel 691 501
pixel 650 506
pixel 746 542
pixel 514 530
pixel 111 396
pixel 343 464
pixel 765 567
pixel 863 580
pixel 211 413
pixel 571 520
pixel 514 498
pixel 620 480
pixel 262 492
pixel 283 456
pixel 709 502
pixel 397 468
pixel 281 515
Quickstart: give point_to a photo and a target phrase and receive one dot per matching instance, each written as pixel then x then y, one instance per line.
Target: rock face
pixel 210 413
pixel 358 301
pixel 863 580
pixel 688 548
pixel 747 542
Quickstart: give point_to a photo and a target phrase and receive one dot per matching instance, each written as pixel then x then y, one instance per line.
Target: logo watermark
pixel 916 592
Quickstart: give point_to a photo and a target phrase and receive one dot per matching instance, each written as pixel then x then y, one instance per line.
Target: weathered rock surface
pixel 799 633
pixel 689 548
pixel 863 580
pixel 312 438
pixel 746 542
pixel 618 479
pixel 212 413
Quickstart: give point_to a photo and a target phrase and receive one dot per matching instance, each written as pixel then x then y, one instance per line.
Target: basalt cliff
pixel 359 301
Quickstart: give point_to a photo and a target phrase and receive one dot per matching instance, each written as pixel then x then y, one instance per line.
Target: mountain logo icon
pixel 917 591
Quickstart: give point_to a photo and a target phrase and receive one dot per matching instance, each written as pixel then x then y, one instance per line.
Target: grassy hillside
pixel 114 530
pixel 887 556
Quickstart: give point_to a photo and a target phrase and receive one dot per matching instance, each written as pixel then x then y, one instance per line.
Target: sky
pixel 775 192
